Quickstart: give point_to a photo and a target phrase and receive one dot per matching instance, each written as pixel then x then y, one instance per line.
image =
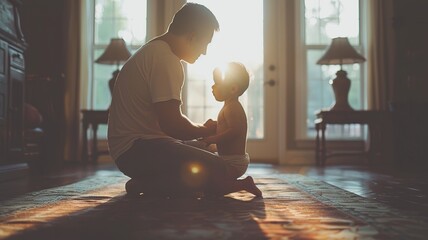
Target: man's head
pixel 232 81
pixel 197 24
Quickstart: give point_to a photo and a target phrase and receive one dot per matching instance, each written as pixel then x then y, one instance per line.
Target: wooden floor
pixel 404 189
pixel 301 202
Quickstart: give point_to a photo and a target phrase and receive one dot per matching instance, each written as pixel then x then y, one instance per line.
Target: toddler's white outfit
pixel 238 162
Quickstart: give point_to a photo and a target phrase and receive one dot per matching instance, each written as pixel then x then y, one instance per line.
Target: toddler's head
pixel 233 79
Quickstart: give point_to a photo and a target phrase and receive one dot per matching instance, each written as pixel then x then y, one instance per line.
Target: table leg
pixel 323 148
pixel 95 143
pixel 373 141
pixel 85 126
pixel 317 143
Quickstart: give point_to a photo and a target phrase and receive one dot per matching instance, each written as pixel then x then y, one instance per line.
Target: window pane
pixel 121 18
pixel 105 26
pixel 136 12
pixel 101 91
pixel 104 8
pixel 138 30
pixel 325 20
pixel 195 116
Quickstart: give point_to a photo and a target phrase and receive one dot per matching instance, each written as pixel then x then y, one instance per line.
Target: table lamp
pixel 115 53
pixel 340 52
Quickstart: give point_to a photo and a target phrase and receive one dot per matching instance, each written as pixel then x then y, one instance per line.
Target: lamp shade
pixel 340 52
pixel 115 53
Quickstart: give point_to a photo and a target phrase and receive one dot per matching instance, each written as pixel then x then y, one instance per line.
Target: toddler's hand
pixel 208 140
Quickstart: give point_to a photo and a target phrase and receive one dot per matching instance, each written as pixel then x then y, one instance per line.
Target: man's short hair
pixel 193 17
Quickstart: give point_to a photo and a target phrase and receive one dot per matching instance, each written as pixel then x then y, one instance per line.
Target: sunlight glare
pixel 237 37
pixel 136 27
pixel 223 68
pixel 194 169
pixel 240 39
pixel 347 23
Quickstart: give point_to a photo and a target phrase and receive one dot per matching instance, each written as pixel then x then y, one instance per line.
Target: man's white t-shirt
pixel 153 74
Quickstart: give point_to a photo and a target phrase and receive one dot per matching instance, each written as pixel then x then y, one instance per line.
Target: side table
pixel 378 122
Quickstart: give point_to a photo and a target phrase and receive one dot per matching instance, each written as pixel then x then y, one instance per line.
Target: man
pixel 146 125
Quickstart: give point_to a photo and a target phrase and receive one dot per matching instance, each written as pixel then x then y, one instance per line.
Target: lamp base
pixel 341 85
pixel 112 81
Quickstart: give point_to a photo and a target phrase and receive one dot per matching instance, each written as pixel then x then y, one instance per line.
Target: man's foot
pixel 251 187
pixel 133 188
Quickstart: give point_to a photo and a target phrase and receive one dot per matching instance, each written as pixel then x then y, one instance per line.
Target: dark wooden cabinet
pixel 12 83
pixel 3 98
pixel 15 102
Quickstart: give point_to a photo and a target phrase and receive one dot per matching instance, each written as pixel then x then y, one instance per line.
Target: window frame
pixel 301 136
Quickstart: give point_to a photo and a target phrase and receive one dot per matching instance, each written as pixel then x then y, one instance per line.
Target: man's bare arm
pixel 176 125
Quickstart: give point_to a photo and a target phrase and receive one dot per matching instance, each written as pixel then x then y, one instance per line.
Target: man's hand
pixel 211 125
pixel 177 125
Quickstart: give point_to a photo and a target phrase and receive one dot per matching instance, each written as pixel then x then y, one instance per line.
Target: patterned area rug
pixel 293 207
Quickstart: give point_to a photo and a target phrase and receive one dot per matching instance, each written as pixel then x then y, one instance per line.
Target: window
pixel 239 39
pixel 324 20
pixel 112 19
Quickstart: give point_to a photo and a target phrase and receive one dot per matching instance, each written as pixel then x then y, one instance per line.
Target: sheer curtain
pixel 381 71
pixel 160 15
pixel 72 80
pixel 380 54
